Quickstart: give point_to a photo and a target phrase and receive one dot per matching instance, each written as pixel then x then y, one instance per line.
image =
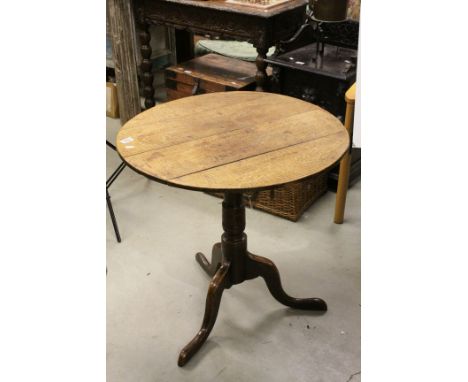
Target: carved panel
pixel 200 20
pixel 260 31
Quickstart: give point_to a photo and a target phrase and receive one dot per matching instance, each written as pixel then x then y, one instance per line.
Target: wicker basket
pixel 292 200
pixel 289 201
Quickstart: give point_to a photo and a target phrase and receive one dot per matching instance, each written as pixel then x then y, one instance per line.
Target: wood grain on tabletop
pixel 232 141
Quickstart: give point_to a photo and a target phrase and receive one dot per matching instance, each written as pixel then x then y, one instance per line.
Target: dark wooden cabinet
pixel 322 80
pixel 320 73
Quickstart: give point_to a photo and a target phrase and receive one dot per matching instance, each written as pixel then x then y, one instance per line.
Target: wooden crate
pixel 208 74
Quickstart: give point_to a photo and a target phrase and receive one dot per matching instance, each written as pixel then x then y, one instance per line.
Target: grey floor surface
pixel 156 291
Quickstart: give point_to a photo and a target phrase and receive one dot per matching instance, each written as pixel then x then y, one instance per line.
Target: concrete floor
pixel 156 291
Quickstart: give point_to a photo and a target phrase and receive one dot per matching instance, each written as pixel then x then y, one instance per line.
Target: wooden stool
pixel 343 177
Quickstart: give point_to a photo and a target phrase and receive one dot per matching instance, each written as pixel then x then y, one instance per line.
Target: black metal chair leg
pixel 111 145
pixel 109 182
pixel 111 212
pixel 115 174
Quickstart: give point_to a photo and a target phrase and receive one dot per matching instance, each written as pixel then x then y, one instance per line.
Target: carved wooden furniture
pixel 345 162
pixel 261 27
pixel 207 74
pixel 233 142
pixel 322 80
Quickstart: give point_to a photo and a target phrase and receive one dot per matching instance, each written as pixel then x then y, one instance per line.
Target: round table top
pixel 232 141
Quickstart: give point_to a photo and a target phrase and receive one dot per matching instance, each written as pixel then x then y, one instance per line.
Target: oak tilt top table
pixel 232 142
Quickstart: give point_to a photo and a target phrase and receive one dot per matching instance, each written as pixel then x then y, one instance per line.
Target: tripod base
pixel 232 264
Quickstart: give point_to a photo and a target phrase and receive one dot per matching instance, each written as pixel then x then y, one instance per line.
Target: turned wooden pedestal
pixel 233 142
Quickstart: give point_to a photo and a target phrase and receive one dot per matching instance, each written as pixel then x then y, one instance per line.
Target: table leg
pixel 263 267
pixel 213 299
pixel 216 258
pixel 232 264
pixel 261 75
pixel 146 65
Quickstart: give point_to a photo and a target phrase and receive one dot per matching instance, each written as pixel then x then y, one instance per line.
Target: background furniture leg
pixel 261 76
pixel 109 182
pixel 345 163
pixel 115 174
pixel 342 190
pixel 111 212
pixel 146 65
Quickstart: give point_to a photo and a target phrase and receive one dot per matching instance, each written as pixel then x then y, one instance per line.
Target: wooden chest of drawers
pixel 208 74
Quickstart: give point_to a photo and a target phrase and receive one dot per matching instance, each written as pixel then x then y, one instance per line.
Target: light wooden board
pixel 232 141
pixel 216 69
pixel 350 95
pixel 122 25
